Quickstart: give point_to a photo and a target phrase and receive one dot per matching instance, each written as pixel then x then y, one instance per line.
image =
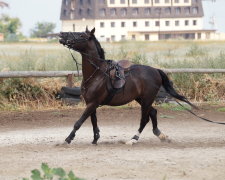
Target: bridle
pixel 97 68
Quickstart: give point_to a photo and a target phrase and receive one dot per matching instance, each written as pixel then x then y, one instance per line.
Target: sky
pixel 32 11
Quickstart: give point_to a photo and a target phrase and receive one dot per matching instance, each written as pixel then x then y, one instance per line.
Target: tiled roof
pixel 92 9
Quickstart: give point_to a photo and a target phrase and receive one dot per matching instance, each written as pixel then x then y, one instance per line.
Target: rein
pixel 97 68
pixel 204 119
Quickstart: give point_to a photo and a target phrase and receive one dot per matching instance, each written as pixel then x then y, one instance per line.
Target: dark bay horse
pixel 142 85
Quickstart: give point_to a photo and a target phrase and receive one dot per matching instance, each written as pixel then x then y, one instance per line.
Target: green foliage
pixel 175 107
pixel 16 89
pixel 41 29
pixel 9 26
pixel 222 109
pixel 51 173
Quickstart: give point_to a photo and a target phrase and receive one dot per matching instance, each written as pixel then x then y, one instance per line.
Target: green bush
pixel 51 174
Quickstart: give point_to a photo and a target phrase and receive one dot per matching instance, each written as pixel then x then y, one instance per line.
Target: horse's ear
pixel 87 29
pixel 93 31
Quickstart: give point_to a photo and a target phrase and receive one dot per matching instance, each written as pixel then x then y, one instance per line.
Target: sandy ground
pixel 197 150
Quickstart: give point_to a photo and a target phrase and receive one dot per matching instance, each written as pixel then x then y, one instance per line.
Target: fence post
pixel 70 80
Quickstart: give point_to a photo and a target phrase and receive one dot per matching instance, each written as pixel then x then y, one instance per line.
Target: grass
pixel 222 109
pixel 164 54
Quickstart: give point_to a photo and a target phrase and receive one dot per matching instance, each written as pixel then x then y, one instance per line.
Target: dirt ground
pixel 197 150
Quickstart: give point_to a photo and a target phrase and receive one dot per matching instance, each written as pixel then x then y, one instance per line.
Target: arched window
pixel 147 11
pixel 113 12
pixel 177 10
pixel 124 12
pixel 168 11
pixel 135 11
pixel 102 12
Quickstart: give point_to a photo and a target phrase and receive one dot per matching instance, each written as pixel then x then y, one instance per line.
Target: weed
pixel 48 173
pixel 222 109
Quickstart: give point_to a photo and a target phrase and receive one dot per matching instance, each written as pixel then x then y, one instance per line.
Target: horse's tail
pixel 170 90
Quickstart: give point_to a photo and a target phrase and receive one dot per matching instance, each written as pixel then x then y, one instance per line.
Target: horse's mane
pixel 100 50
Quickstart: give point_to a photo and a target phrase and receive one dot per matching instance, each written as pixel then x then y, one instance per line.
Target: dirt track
pixel 197 150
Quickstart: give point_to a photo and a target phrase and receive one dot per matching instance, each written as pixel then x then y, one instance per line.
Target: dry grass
pixel 163 54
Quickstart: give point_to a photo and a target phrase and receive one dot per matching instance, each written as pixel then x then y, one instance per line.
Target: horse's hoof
pixel 94 142
pixel 64 144
pixel 67 140
pixel 131 142
pixel 164 138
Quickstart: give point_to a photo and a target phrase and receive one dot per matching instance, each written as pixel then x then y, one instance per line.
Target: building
pixel 149 20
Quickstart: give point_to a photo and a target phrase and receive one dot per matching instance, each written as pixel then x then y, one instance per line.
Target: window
pixel 64 12
pixel 167 23
pixel 89 1
pixel 80 12
pixel 195 10
pixel 135 24
pixel 146 1
pixel 122 1
pixel 113 12
pixel 157 11
pixel 134 1
pixel 177 23
pixel 81 2
pixel 156 1
pixel 186 1
pixel 88 11
pixel 123 37
pixel 177 10
pixel 113 24
pixel 135 11
pixel 102 24
pixel 157 23
pixel 113 38
pixel 147 37
pixel 112 1
pixel 176 1
pixel 147 11
pixel 101 1
pixel 73 27
pixel 168 11
pixel 133 37
pixel 195 1
pixel 124 12
pixel 65 2
pixel 102 12
pixel 199 35
pixel 123 24
pixel 187 10
pixel 167 1
pixel 194 22
pixel 186 22
pixel 147 24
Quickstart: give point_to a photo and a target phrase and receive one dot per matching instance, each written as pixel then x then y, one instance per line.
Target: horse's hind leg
pixel 156 131
pixel 95 127
pixel 144 121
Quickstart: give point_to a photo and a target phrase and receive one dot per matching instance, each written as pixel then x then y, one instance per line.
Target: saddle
pixel 117 72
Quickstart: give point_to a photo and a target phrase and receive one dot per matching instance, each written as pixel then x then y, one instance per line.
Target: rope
pixel 204 119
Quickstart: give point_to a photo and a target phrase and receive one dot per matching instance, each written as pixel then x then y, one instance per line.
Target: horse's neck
pixel 87 68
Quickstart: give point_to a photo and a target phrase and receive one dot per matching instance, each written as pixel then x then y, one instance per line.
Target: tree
pixel 9 26
pixel 42 29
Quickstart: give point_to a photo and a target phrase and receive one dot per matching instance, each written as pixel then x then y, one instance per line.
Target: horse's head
pixel 78 41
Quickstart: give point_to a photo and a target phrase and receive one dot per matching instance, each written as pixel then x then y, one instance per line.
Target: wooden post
pixel 70 80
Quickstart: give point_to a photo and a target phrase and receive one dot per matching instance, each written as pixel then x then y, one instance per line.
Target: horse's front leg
pixel 88 111
pixel 95 127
